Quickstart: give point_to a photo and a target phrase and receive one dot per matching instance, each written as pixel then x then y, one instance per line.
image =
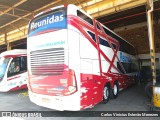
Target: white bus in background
pixel 75 62
pixel 13 70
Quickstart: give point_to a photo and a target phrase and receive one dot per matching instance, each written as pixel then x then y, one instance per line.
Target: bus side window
pixel 84 17
pixel 127 67
pixel 114 46
pixel 120 68
pixel 134 67
pixel 98 26
pixel 14 67
pixel 93 36
pixel 23 65
pixel 103 42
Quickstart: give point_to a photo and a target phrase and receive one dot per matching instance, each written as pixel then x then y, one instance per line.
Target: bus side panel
pixel 126 79
pixel 108 77
pixel 17 82
pixel 114 75
pixel 91 92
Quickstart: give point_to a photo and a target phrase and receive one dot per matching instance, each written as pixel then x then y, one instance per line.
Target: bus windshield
pixel 3 65
pixel 54 19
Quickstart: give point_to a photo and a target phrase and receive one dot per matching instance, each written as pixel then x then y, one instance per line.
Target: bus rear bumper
pixel 61 103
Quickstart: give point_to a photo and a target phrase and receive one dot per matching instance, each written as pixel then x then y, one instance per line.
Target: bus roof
pixel 14 52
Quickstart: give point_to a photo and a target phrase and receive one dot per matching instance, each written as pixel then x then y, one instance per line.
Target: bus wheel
pixel 106 94
pixel 115 90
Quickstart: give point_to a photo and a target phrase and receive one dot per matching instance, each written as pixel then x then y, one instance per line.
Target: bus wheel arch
pixel 115 91
pixel 106 93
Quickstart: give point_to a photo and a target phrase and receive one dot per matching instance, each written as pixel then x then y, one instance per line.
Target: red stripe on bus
pixel 13 78
pixel 79 24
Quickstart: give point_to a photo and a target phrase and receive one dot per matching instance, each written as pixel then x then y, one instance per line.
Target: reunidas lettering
pixel 46 21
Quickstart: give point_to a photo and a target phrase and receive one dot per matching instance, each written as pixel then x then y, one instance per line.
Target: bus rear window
pixel 55 19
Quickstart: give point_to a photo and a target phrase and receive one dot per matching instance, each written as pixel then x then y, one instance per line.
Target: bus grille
pixel 47 62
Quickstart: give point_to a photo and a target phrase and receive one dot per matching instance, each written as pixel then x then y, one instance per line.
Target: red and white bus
pixel 75 62
pixel 13 70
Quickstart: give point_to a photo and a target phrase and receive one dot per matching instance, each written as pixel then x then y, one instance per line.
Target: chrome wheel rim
pixel 105 93
pixel 115 89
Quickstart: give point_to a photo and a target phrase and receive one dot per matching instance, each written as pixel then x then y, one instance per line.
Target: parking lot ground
pixel 131 99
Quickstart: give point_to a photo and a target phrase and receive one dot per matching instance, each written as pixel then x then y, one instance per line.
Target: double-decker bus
pixel 13 70
pixel 75 62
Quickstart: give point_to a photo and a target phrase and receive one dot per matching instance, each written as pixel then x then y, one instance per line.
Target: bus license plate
pixel 45 100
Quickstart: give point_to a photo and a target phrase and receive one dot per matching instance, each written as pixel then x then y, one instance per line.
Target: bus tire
pixel 106 93
pixel 114 92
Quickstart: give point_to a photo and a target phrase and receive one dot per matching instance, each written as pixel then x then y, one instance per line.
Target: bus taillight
pixel 71 83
